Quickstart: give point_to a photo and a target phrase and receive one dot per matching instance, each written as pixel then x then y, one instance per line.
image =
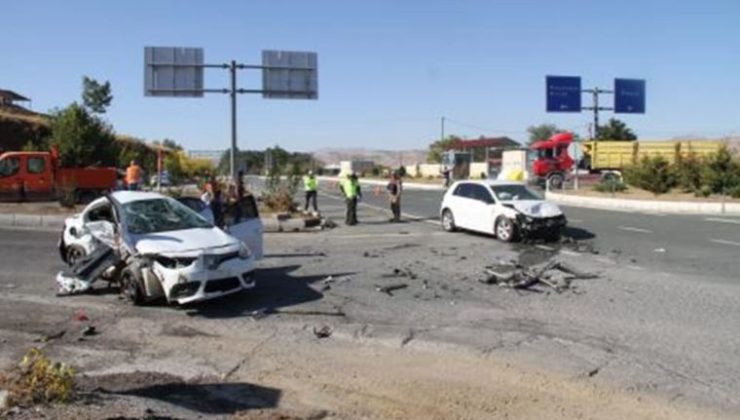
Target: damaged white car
pixel 507 210
pixel 156 247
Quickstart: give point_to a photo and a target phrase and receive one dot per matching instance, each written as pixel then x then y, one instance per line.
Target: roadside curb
pixel 42 221
pixel 672 207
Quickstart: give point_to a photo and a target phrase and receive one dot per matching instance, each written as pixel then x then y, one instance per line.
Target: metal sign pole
pixel 232 69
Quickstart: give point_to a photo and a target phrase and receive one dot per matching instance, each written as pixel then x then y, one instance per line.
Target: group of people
pixel 350 188
pixel 220 203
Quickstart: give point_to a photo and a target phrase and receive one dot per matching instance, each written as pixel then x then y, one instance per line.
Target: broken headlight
pixel 173 263
pixel 244 251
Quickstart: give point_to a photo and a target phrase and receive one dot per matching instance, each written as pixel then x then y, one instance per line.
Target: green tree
pixel 653 174
pixel 96 96
pixel 615 130
pixel 542 132
pixel 437 148
pixel 82 138
pixel 721 172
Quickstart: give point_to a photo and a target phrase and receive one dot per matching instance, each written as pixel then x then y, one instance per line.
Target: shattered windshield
pixel 514 192
pixel 160 215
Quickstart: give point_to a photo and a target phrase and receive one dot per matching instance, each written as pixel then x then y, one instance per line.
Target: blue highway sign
pixel 563 93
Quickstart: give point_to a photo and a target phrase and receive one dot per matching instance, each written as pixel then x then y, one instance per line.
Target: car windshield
pixel 160 215
pixel 514 192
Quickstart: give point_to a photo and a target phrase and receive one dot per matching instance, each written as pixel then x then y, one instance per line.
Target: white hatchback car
pixel 505 209
pixel 166 248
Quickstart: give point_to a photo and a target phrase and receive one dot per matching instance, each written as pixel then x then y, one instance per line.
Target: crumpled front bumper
pixel 532 226
pixel 197 282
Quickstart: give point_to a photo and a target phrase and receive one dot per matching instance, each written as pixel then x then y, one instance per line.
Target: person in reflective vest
pixel 311 186
pixel 350 187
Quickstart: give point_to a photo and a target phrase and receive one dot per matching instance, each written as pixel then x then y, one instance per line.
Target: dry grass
pixel 38 380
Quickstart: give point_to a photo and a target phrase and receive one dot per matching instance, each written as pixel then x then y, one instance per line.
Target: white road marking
pixel 386 235
pixel 717 219
pixel 545 247
pixel 575 220
pixel 385 210
pixel 724 242
pixel 635 267
pixel 634 229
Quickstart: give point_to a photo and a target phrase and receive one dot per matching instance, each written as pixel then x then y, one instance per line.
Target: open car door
pixel 243 222
pixel 198 206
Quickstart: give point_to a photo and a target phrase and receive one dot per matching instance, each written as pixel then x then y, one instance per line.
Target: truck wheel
pixel 448 221
pixel 132 286
pixel 556 181
pixel 74 254
pixel 505 229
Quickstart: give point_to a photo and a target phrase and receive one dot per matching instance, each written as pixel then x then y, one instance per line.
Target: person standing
pixel 394 196
pixel 133 176
pixel 350 187
pixel 311 186
pixel 446 175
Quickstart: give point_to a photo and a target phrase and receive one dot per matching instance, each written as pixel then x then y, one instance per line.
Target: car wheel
pixel 131 285
pixel 505 229
pixel 448 221
pixel 74 254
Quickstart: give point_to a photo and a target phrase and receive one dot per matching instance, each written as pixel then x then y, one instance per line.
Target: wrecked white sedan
pixel 156 247
pixel 505 209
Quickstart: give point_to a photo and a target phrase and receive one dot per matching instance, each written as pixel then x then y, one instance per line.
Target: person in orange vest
pixel 133 176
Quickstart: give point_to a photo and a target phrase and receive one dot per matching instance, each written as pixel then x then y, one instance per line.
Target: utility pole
pixel 442 137
pixel 596 108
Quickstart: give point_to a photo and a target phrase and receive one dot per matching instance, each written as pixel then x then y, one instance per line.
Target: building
pixel 8 98
pixel 212 155
pixel 481 157
pixel 360 167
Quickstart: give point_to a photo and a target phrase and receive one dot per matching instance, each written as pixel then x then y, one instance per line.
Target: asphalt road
pixel 641 331
pixel 671 243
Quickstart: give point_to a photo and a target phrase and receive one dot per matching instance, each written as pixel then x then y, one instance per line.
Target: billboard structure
pixel 178 72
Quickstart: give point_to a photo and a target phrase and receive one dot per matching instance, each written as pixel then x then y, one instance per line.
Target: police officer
pixel 350 187
pixel 311 186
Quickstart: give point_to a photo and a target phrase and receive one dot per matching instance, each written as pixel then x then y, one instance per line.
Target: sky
pixel 389 70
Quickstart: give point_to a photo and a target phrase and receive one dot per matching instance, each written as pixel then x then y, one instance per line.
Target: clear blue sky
pixel 388 69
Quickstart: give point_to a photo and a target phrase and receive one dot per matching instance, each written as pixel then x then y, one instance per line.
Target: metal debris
pixel 322 332
pixel 389 289
pixel 554 274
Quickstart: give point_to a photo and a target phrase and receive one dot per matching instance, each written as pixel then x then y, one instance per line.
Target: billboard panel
pixel 629 96
pixel 173 71
pixel 563 93
pixel 289 75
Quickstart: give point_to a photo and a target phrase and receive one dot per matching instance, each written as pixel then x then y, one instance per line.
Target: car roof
pixel 124 197
pixel 491 182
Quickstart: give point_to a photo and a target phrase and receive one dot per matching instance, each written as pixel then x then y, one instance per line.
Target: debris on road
pixel 80 315
pixel 81 276
pixel 554 274
pixel 90 330
pixel 322 332
pixel 398 272
pixel 659 250
pixel 49 337
pixel 389 289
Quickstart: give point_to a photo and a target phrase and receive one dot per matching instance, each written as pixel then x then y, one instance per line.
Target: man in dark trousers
pixel 394 196
pixel 311 186
pixel 350 187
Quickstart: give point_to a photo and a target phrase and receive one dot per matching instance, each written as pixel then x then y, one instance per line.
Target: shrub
pixel 734 192
pixel 652 174
pixel 704 191
pixel 721 173
pixel 689 173
pixel 38 380
pixel 610 185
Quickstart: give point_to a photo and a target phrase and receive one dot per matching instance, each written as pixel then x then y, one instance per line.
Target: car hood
pixel 535 208
pixel 183 241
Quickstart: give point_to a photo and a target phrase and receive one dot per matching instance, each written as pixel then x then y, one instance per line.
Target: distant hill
pixel 390 158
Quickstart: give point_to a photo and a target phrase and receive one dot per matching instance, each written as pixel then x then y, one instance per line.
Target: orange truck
pixel 38 176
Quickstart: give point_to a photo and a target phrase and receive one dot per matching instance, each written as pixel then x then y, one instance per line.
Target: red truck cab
pixel 37 176
pixel 553 161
